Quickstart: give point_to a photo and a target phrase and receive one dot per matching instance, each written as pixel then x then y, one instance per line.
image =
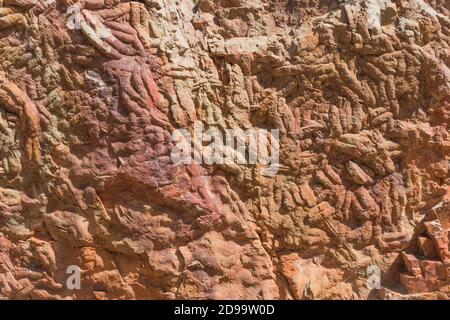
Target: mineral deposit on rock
pixel 92 91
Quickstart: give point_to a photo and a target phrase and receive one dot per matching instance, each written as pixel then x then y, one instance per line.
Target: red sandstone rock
pixel 91 92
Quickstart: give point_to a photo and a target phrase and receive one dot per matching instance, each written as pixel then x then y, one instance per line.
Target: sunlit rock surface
pixel 91 92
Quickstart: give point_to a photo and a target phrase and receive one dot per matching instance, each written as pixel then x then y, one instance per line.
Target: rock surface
pixel 91 92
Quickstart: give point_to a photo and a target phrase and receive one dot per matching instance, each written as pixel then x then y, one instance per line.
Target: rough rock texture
pixel 89 97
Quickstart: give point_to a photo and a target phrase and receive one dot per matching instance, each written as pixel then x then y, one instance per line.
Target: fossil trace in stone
pixel 91 91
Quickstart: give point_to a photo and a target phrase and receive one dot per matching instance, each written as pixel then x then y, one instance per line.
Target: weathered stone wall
pixel 91 91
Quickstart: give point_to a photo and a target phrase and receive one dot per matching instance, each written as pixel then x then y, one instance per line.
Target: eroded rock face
pixel 91 93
